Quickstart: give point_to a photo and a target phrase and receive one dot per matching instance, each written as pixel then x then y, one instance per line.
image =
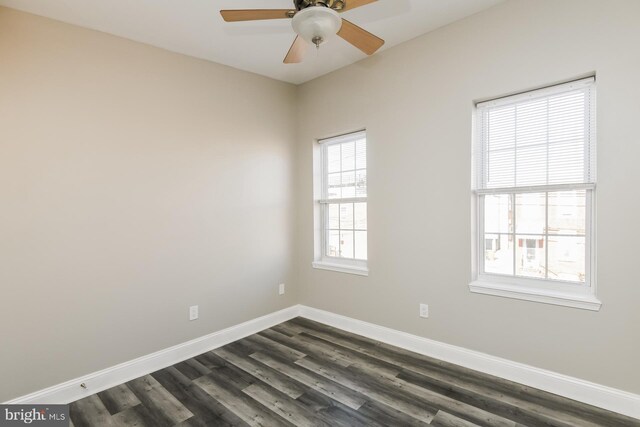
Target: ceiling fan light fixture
pixel 316 24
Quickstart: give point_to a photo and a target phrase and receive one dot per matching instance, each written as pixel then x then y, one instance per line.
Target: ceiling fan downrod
pixel 331 4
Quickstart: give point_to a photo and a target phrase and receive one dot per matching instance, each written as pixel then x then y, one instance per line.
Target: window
pixel 342 204
pixel 534 183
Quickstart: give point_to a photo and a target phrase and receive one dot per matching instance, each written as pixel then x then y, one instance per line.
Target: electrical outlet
pixel 424 310
pixel 281 289
pixel 193 312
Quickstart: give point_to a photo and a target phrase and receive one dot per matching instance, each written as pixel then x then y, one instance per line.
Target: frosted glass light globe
pixel 316 24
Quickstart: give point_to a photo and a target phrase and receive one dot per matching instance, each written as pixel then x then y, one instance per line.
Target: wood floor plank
pixel 260 343
pixel 327 387
pixel 205 408
pixel 382 351
pixel 90 412
pixel 268 375
pixel 252 412
pixel 162 404
pixel 291 327
pixel 137 416
pixel 284 406
pixel 192 422
pixel 564 407
pixel 284 330
pixel 356 357
pixel 241 347
pixel 192 368
pixel 388 416
pixel 355 343
pixel 438 400
pixel 444 419
pixel 221 367
pixel 372 390
pixel 118 399
pixel 306 325
pixel 338 414
pixel 306 347
pixel 495 402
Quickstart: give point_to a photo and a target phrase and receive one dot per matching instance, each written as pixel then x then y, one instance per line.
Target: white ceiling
pixel 195 28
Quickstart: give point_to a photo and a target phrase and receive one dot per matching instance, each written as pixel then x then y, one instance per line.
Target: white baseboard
pixel 584 391
pixel 96 382
pixel 563 385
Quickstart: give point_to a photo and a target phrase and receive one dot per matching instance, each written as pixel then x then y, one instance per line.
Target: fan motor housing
pixel 333 4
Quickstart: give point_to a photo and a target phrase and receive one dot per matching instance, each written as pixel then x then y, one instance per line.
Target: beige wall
pixel 134 182
pixel 416 102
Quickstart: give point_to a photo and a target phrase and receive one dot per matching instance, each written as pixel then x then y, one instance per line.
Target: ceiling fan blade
pixel 360 38
pixel 255 14
pixel 296 52
pixel 352 4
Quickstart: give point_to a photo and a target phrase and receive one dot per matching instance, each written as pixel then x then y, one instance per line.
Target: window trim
pixel 321 260
pixel 556 292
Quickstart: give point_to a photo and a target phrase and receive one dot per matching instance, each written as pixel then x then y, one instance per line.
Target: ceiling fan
pixel 314 21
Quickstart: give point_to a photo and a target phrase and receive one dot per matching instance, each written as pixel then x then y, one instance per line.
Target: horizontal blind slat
pixel 536 189
pixel 347 200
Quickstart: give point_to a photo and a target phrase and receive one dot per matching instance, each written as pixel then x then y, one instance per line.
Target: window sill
pixel 582 300
pixel 341 268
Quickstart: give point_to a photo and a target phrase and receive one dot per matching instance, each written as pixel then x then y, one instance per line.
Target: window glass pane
pixel 348 156
pixel 567 212
pixel 346 244
pixel 361 154
pixel 567 258
pixel 361 245
pixel 346 216
pixel 497 213
pixel 333 158
pixel 348 184
pixel 360 215
pixel 334 216
pixel 333 243
pixel 335 186
pixel 530 256
pixel 498 255
pixel 361 183
pixel 530 213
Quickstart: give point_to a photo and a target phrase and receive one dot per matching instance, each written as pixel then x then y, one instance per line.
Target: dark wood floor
pixel 304 373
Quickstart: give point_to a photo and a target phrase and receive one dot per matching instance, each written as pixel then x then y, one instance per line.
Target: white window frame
pixel 557 292
pixel 321 260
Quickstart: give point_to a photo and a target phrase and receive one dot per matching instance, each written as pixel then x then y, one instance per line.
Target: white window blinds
pixel 537 140
pixel 345 167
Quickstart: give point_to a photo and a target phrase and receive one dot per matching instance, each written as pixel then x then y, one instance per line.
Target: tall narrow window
pixel 534 184
pixel 343 204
